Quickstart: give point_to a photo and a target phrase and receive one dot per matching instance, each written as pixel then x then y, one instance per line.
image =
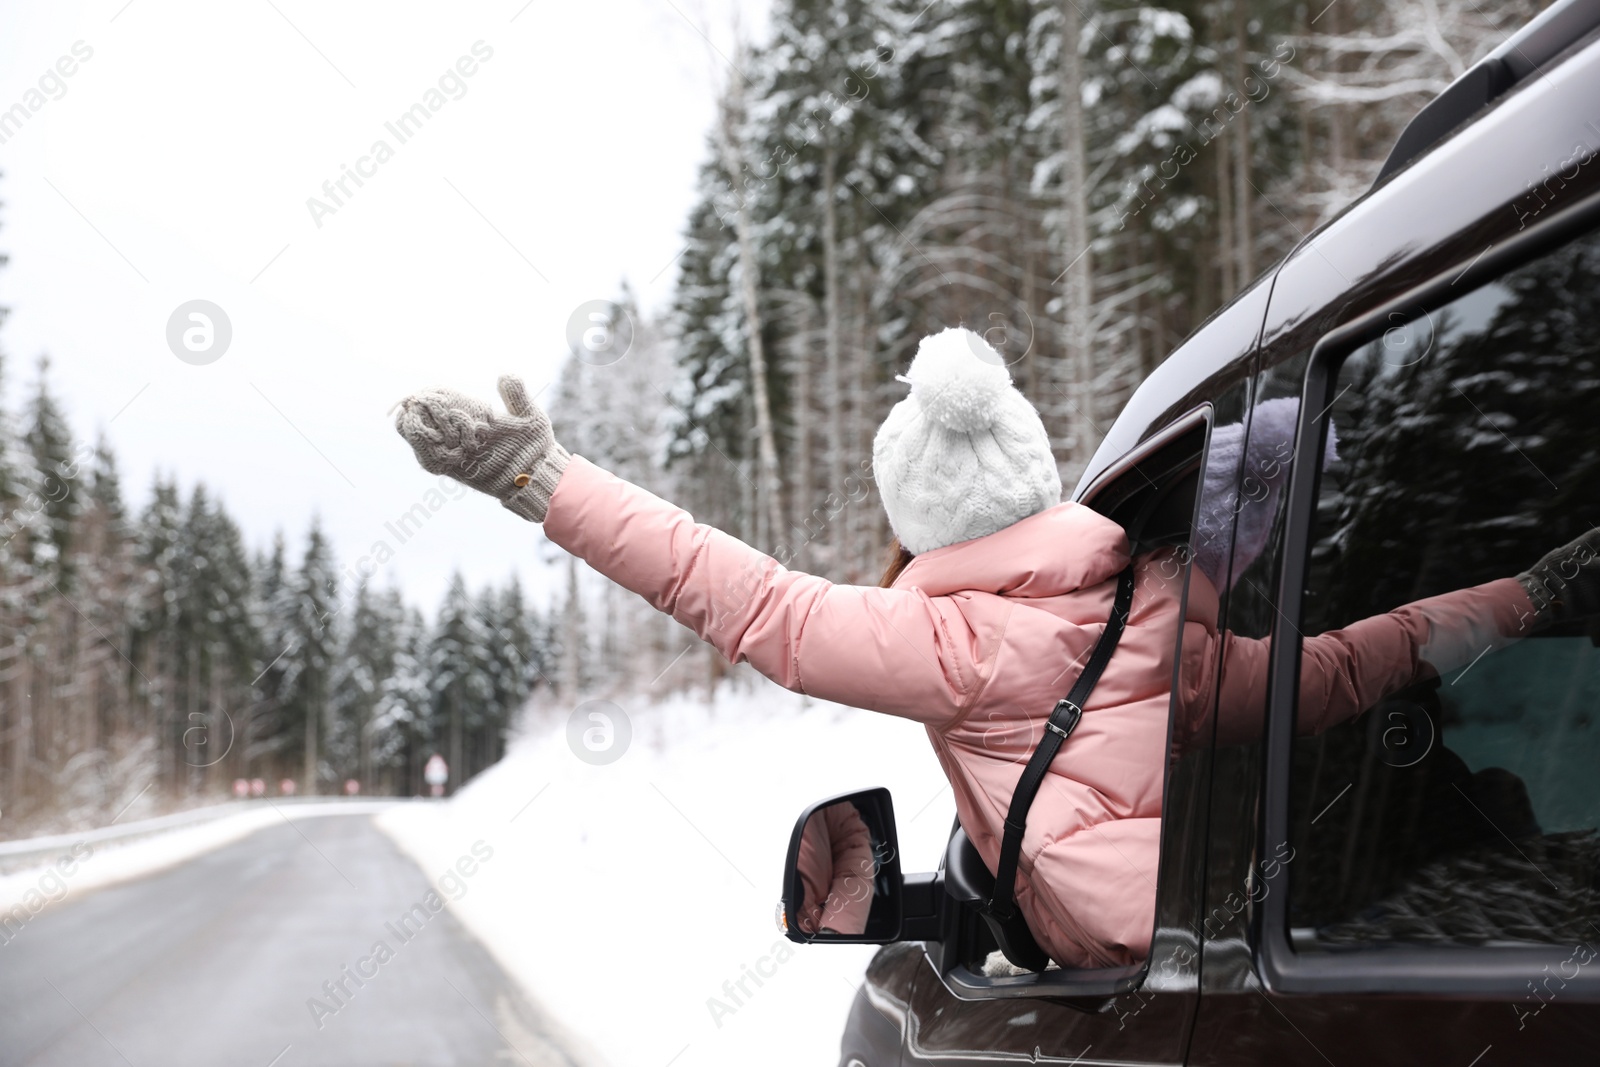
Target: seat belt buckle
pixel 1003 911
pixel 1072 714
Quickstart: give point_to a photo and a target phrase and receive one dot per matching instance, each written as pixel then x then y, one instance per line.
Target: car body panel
pixel 1135 1028
pixel 876 1027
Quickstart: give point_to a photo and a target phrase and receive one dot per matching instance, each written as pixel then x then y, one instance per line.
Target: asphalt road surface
pixel 214 962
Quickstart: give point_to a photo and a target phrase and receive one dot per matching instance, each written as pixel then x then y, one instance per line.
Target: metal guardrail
pixel 28 852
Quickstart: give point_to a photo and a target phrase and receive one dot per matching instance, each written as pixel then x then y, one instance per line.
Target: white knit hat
pixel 965 454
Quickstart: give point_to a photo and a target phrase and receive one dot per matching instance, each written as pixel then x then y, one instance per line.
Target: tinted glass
pixel 1461 808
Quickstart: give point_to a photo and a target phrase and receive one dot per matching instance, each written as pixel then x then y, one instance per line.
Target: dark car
pixel 1420 884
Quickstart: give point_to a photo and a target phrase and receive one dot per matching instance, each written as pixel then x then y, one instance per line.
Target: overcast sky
pixel 175 163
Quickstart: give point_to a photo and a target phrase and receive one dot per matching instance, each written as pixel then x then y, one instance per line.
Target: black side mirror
pixel 842 880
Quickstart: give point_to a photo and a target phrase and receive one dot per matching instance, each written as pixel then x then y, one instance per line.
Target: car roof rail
pixel 1522 55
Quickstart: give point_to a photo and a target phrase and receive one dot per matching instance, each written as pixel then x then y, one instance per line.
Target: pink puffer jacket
pixel 836 871
pixel 978 640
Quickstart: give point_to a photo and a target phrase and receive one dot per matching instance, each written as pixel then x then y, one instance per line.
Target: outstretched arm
pixel 1344 672
pixel 892 650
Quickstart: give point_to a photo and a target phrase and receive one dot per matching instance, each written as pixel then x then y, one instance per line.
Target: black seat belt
pixel 1002 905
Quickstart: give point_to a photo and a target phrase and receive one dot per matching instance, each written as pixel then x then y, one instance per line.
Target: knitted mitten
pixel 514 458
pixel 1565 584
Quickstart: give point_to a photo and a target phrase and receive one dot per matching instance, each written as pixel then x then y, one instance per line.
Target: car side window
pixel 1462 809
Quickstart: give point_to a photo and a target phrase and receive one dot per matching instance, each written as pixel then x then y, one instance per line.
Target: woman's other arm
pixel 1344 672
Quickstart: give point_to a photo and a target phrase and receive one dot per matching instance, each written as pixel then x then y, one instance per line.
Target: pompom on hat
pixel 965 454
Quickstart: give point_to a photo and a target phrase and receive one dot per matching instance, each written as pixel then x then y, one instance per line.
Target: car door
pixel 1439 895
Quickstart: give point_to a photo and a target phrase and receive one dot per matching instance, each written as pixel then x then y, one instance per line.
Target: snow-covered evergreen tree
pixel 53 477
pixel 459 688
pixel 366 661
pixel 403 728
pixel 308 659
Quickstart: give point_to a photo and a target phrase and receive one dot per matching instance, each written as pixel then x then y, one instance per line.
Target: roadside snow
pixel 630 899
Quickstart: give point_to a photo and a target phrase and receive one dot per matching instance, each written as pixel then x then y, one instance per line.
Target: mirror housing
pixel 841 879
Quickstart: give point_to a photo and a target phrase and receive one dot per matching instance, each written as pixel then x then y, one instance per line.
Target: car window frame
pixel 1496 972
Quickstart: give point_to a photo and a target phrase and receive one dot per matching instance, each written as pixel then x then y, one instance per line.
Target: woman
pixel 997 593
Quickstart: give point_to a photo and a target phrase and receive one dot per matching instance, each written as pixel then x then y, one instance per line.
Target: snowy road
pixel 224 959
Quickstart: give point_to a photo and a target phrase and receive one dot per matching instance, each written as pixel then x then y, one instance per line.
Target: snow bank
pixel 630 899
